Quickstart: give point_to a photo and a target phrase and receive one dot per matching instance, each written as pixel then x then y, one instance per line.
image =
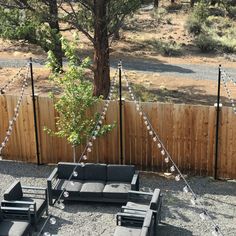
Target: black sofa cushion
pixel 95 172
pixel 13 228
pixel 92 189
pixel 116 190
pixel 1 215
pixel 65 170
pixel 14 192
pixel 121 173
pixel 74 187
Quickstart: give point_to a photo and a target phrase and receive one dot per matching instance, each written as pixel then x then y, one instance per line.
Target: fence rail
pixel 187 131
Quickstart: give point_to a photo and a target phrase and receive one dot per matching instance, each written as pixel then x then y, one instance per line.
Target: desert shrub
pixel 206 43
pixel 174 7
pixel 197 19
pixel 216 11
pixel 232 12
pixel 227 45
pixel 165 48
pixel 159 14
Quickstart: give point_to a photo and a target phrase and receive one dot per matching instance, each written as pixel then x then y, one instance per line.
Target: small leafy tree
pixel 73 122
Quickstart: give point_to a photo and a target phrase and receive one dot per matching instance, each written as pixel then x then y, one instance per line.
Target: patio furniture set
pixel 22 207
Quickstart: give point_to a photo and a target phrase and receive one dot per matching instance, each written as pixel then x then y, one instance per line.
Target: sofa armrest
pixel 52 176
pixel 135 181
pixel 132 210
pixel 137 196
pixel 36 191
pixel 8 212
pixel 156 199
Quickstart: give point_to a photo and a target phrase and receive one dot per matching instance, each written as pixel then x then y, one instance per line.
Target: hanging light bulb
pixel 216 231
pixel 102 117
pixel 154 139
pixel 166 159
pixel 150 132
pixel 82 164
pixel 94 137
pixel 148 127
pixel 52 220
pixel 185 189
pixel 90 144
pixel 66 194
pixel 145 122
pixel 84 158
pixel 172 168
pixel 140 113
pixel 46 234
pixel 98 127
pixel 203 215
pixel 163 152
pixel 72 183
pixel 100 122
pixel 193 201
pixel 75 173
pixel 144 118
pixel 159 145
pixel 177 178
pixel 89 150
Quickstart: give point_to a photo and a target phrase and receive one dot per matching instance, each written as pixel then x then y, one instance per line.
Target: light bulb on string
pixel 145 122
pixel 89 150
pixel 193 201
pixel 150 132
pixel 84 157
pixel 98 127
pixel 159 145
pixel 177 178
pixel 90 144
pixel 72 183
pixel 82 164
pixel 216 232
pixel 102 117
pixel 46 234
pixel 163 152
pixel 140 113
pixel 148 127
pixel 75 173
pixel 144 118
pixel 154 139
pixel 185 189
pixel 203 215
pixel 100 122
pixel 167 160
pixel 66 194
pixel 94 137
pixel 52 220
pixel 172 168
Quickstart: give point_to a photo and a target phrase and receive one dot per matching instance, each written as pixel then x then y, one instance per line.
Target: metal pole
pixel 35 113
pixel 217 124
pixel 120 106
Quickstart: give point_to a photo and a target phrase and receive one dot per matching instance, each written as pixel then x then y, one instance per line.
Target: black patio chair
pixel 140 202
pixel 9 227
pixel 130 228
pixel 35 198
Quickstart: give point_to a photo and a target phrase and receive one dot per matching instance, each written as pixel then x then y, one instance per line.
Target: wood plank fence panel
pixel 187 131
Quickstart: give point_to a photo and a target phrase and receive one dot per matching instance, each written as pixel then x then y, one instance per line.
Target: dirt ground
pixel 136 35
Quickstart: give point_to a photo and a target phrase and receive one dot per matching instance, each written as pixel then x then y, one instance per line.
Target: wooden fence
pixel 187 131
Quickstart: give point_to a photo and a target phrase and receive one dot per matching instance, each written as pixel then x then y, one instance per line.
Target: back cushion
pixel 95 171
pixel 65 170
pixel 14 192
pixel 122 173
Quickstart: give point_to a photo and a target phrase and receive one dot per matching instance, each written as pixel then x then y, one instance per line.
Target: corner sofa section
pixel 93 182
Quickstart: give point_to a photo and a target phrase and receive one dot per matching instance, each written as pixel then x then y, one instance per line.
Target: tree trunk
pixel 101 50
pixel 54 25
pixel 192 2
pixel 156 3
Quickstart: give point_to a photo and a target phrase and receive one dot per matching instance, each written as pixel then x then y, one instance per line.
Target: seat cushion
pixel 122 173
pixel 95 172
pixel 116 190
pixel 92 189
pixel 127 231
pixel 75 187
pixel 137 206
pixel 14 192
pixel 14 228
pixel 65 169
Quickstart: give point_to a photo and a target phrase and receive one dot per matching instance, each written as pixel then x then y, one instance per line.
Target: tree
pixel 32 20
pixel 192 2
pixel 73 122
pixel 98 20
pixel 156 3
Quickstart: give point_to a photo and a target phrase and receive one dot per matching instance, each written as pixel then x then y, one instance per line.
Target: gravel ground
pixel 179 217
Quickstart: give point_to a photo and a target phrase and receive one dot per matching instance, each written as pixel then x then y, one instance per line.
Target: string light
pixel 163 152
pixel 15 115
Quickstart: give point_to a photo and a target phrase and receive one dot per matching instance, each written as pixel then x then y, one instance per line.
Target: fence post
pixel 120 113
pixel 218 106
pixel 35 112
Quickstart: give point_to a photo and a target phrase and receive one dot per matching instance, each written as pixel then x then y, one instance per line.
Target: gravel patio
pixel 179 217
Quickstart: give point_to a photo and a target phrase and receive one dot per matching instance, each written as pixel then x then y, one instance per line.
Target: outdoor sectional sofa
pixel 92 182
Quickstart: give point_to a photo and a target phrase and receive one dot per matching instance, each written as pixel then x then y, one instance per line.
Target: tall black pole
pixel 35 113
pixel 217 124
pixel 120 106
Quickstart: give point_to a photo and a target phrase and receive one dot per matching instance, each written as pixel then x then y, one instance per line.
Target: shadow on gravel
pixel 164 229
